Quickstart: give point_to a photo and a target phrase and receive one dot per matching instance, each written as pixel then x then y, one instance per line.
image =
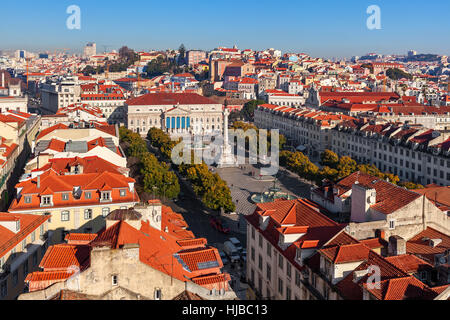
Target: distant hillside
pixel 422 58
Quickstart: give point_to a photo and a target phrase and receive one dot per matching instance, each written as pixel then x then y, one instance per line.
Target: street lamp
pixel 153 191
pixel 165 188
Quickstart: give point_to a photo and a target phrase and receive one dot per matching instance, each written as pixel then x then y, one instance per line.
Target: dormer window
pixel 27 199
pixel 123 193
pixel 106 196
pixel 46 201
pixel 88 195
pixel 65 196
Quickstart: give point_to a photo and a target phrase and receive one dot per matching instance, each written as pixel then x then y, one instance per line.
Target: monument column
pixel 227 159
pixel 226 114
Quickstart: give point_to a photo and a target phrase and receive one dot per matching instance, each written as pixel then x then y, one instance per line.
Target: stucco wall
pixel 131 274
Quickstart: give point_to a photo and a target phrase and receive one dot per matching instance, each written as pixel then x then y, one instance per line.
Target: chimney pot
pixel 397 246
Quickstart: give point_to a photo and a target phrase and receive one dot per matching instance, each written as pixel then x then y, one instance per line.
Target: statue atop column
pixel 227 160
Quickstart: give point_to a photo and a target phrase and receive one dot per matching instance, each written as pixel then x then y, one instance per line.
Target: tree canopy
pixel 248 111
pixel 182 52
pixel 210 188
pixel 156 177
pixel 335 168
pixel 162 65
pixel 397 74
pixel 329 158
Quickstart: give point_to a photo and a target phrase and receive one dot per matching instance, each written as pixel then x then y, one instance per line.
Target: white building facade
pixel 175 113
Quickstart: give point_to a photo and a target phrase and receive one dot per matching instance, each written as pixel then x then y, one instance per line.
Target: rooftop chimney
pixel 397 246
pixel 38 184
pixel 435 242
pixel 358 274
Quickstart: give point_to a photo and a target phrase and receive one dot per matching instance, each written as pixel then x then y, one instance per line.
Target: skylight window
pixel 183 264
pixel 207 265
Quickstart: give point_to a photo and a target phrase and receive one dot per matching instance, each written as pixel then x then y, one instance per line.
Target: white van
pixel 231 251
pixel 237 244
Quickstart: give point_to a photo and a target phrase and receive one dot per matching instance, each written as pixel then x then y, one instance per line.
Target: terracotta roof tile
pixel 169 99
pixel 419 245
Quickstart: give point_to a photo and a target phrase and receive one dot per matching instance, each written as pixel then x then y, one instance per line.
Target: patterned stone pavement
pixel 243 185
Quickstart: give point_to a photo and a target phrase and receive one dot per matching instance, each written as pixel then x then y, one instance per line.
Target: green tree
pixel 156 177
pixel 397 74
pixel 346 166
pixel 392 178
pixel 89 70
pixel 327 173
pixel 248 111
pixel 370 169
pixel 219 196
pixel 411 185
pixel 210 188
pixel 182 52
pixel 368 66
pixel 329 158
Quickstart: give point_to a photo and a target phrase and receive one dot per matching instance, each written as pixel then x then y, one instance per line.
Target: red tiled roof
pixel 28 224
pixel 355 97
pixel 166 98
pixel 77 238
pixel 409 263
pixel 193 257
pixel 346 253
pixel 374 243
pixel 9 148
pixel 439 195
pixel 389 198
pixel 351 290
pixel 45 132
pixel 298 213
pixel 10 118
pixel 57 145
pixel 53 184
pixel 63 256
pixel 92 164
pixel 406 288
pixel 419 245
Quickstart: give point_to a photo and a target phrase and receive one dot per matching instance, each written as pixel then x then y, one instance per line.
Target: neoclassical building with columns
pixel 175 113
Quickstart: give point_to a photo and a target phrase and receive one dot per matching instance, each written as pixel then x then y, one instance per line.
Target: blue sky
pixel 321 28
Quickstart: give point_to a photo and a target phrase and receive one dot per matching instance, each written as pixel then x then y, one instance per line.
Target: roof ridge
pixel 388 262
pixel 294 206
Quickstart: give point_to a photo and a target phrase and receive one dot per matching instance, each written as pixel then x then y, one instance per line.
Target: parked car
pixel 237 244
pixel 243 277
pixel 219 225
pixel 231 252
pixel 244 256
pixel 224 258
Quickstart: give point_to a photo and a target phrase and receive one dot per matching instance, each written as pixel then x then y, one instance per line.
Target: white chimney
pixel 435 242
pixel 362 199
pixel 357 275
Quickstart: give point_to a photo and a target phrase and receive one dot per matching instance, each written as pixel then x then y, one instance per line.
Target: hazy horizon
pixel 328 29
